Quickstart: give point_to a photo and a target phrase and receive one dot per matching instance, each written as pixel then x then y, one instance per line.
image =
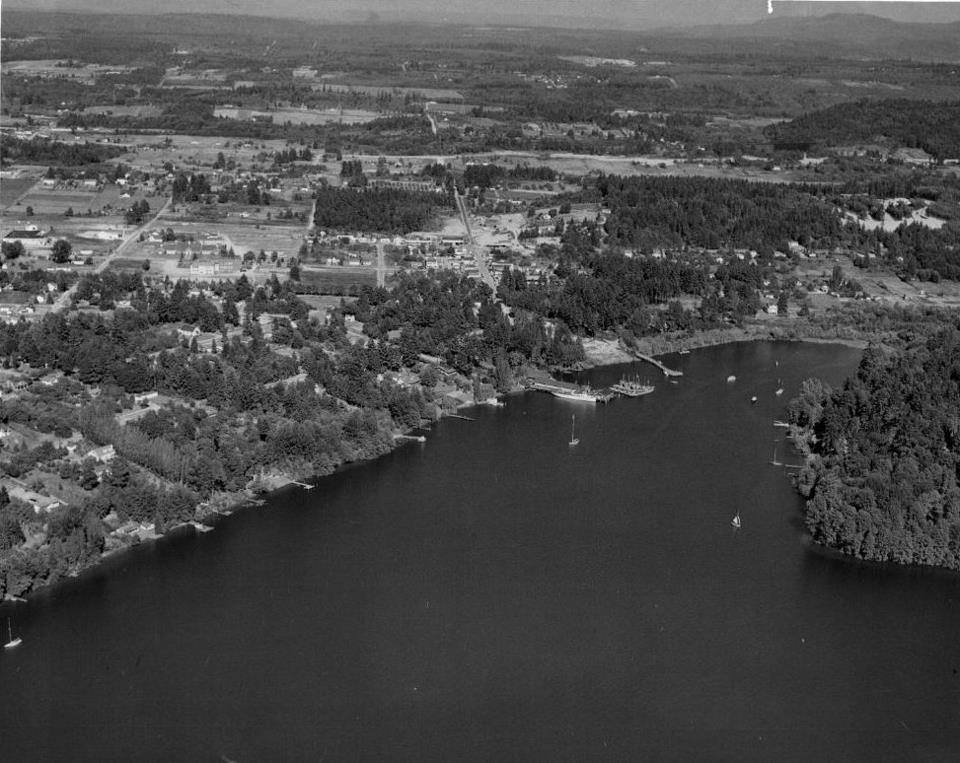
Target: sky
pixel 621 14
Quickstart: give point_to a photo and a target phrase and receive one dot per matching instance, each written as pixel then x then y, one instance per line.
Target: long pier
pixel 649 359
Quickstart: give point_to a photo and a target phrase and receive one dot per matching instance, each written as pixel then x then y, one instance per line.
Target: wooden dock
pixel 410 437
pixel 649 359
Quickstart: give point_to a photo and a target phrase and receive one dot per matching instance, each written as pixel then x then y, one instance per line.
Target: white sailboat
pixel 574 440
pixel 13 641
pixel 736 520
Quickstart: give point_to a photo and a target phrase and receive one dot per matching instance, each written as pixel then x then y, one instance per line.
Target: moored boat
pixel 585 395
pixel 632 388
pixel 13 641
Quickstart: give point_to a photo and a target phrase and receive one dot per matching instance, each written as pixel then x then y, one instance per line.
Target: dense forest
pixel 611 292
pixel 930 125
pixel 383 210
pixel 456 318
pixel 650 211
pixel 47 151
pixel 881 480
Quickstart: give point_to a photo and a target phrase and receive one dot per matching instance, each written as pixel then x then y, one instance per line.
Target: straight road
pixel 477 252
pixel 63 301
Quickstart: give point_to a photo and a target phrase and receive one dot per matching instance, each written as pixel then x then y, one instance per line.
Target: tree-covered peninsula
pixel 884 456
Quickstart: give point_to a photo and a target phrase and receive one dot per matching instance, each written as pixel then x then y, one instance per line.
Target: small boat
pixel 779 389
pixel 574 440
pixel 753 399
pixel 13 641
pixel 684 352
pixel 731 379
pixel 736 520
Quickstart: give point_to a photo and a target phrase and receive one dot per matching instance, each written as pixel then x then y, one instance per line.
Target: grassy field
pixel 58 202
pixel 299 116
pixel 124 111
pixel 337 280
pixel 128 263
pixel 14 298
pixel 12 189
pixel 187 150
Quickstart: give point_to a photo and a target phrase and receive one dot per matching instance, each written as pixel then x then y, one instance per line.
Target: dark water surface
pixel 497 595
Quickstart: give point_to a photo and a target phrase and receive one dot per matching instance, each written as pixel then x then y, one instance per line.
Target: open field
pixel 324 301
pixel 129 263
pixel 299 116
pixel 58 201
pixel 242 236
pixel 884 287
pixel 153 150
pixel 58 69
pixel 14 298
pixel 118 110
pixel 337 280
pixel 585 164
pixel 12 189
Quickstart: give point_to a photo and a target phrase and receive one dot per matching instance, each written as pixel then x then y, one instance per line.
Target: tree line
pixel 933 126
pixel 881 480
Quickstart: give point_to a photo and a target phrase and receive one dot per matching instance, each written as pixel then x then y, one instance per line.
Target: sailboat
pixel 13 641
pixel 736 520
pixel 574 440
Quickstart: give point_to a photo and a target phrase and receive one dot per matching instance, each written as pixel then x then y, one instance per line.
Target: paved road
pixel 381 265
pixel 478 253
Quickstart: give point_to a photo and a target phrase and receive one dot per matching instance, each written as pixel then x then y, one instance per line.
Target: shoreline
pixel 260 489
pixel 599 352
pixel 608 352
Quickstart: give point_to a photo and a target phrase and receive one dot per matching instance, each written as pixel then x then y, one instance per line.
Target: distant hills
pixel 844 35
pixel 724 26
pixel 636 15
